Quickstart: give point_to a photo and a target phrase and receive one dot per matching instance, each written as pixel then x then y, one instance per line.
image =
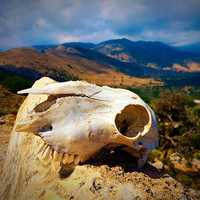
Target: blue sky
pixel 32 22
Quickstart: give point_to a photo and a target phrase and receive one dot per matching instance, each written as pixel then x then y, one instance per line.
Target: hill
pixel 144 52
pixel 136 58
pixel 62 64
pixel 113 62
pixel 151 54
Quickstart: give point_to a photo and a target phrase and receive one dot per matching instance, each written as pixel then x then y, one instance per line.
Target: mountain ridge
pixel 140 54
pixel 192 48
pixel 119 57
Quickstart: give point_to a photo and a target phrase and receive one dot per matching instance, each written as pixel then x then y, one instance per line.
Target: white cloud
pixel 93 37
pixel 62 38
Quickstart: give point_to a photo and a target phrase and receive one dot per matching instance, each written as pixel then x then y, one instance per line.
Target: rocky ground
pixel 109 175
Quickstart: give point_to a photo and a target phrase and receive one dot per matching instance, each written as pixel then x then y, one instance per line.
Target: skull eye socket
pixel 131 120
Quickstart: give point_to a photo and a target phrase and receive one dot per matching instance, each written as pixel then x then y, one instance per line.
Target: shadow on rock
pixel 117 157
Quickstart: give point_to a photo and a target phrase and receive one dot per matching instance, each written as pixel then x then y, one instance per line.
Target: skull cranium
pixel 78 119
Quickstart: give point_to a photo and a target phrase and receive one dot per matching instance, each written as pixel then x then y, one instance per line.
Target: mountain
pixel 192 48
pixel 147 53
pixel 140 58
pixel 62 65
pixel 132 69
pixel 112 62
pixel 42 48
pixel 86 45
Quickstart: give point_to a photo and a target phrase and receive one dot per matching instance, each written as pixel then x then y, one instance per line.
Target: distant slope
pixel 62 65
pixel 86 45
pixel 150 54
pixel 140 58
pixel 67 49
pixel 192 48
pixel 110 62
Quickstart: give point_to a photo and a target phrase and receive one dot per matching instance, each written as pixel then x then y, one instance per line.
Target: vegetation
pixel 179 121
pixel 14 82
pixel 9 102
pixel 179 130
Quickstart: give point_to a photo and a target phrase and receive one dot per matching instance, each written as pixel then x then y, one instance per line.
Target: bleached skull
pixel 78 119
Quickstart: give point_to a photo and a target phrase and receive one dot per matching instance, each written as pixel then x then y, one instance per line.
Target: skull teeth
pixel 65 158
pixel 76 160
pixel 40 147
pixel 42 150
pixel 46 153
pixel 70 158
pixel 56 155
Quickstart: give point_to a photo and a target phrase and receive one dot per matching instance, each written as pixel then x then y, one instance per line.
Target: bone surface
pixel 79 118
pixel 33 167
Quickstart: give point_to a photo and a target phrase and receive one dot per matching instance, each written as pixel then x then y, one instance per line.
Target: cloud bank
pixel 32 22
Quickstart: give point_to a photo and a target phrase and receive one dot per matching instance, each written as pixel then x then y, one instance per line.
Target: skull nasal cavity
pixel 131 120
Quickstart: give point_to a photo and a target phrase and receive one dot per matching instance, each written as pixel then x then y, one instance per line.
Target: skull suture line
pixel 78 119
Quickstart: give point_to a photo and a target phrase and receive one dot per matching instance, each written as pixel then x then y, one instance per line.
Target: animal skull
pixel 78 119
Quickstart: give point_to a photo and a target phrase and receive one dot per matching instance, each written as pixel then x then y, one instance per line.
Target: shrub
pixel 195 140
pixel 14 82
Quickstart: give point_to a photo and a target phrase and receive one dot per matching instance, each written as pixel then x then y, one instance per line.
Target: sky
pixel 34 22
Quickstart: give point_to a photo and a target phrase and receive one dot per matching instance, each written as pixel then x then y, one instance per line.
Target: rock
pixel 180 163
pixel 30 173
pixel 158 164
pixel 195 165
